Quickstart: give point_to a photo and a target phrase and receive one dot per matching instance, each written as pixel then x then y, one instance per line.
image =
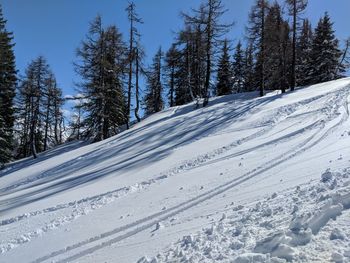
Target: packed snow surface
pixel 245 179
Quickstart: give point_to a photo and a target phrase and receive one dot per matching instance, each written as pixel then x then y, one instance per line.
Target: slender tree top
pixel 296 6
pixel 133 18
pixel 2 20
pixel 256 18
pixel 208 15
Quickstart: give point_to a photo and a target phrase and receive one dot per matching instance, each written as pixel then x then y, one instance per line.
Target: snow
pixel 245 179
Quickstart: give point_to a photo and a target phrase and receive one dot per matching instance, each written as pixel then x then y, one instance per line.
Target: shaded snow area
pixel 245 179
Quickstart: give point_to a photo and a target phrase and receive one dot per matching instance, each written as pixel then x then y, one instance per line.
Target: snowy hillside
pixel 245 179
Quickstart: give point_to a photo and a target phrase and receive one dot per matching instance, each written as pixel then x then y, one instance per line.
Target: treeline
pixel 281 51
pixel 31 117
pixel 38 111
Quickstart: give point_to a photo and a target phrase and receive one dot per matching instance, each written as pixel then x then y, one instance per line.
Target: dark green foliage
pixel 238 69
pixel 225 77
pixel 325 53
pixel 153 100
pixel 304 46
pixel 8 82
pixel 256 36
pixel 5 142
pixel 207 18
pixel 103 60
pixel 39 110
pixel 296 7
pixel 134 57
pixel 190 70
pixel 171 65
pixel 184 89
pixel 278 50
pixel 249 70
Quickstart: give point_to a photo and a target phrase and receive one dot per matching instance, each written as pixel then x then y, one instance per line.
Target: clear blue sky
pixel 55 28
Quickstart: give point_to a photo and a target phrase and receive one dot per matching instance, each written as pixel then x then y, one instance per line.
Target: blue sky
pixel 55 28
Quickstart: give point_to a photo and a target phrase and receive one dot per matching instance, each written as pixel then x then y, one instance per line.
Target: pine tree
pixel 57 114
pixel 171 64
pixel 102 66
pixel 249 70
pixel 139 56
pixel 190 76
pixel 153 100
pixel 224 78
pixel 52 111
pixel 238 68
pixel 76 120
pixel 31 108
pixel 345 59
pixel 185 65
pixel 256 36
pixel 304 46
pixel 184 91
pixel 325 54
pixel 133 36
pixel 208 15
pixel 295 8
pixel 48 101
pixel 278 48
pixel 8 81
pixel 5 142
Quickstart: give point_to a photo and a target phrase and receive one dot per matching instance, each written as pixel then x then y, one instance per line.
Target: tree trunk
pixel 47 115
pixel 208 69
pixel 131 58
pixel 137 87
pixel 33 128
pixel 293 84
pixel 172 81
pixel 57 116
pixel 262 84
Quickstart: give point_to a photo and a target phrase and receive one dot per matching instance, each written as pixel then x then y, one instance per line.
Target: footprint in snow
pixel 158 226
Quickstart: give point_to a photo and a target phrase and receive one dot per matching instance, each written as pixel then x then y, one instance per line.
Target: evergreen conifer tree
pixel 256 36
pixel 8 82
pixel 224 78
pixel 325 53
pixel 295 8
pixel 249 70
pixel 208 16
pixel 5 142
pixel 171 64
pixel 31 109
pixel 103 63
pixel 304 45
pixel 132 59
pixel 278 48
pixel 153 100
pixel 238 69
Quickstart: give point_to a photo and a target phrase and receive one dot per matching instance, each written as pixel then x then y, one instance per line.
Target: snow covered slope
pixel 237 180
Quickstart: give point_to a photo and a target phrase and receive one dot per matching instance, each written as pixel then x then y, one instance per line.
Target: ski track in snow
pixel 201 160
pixel 150 221
pixel 335 113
